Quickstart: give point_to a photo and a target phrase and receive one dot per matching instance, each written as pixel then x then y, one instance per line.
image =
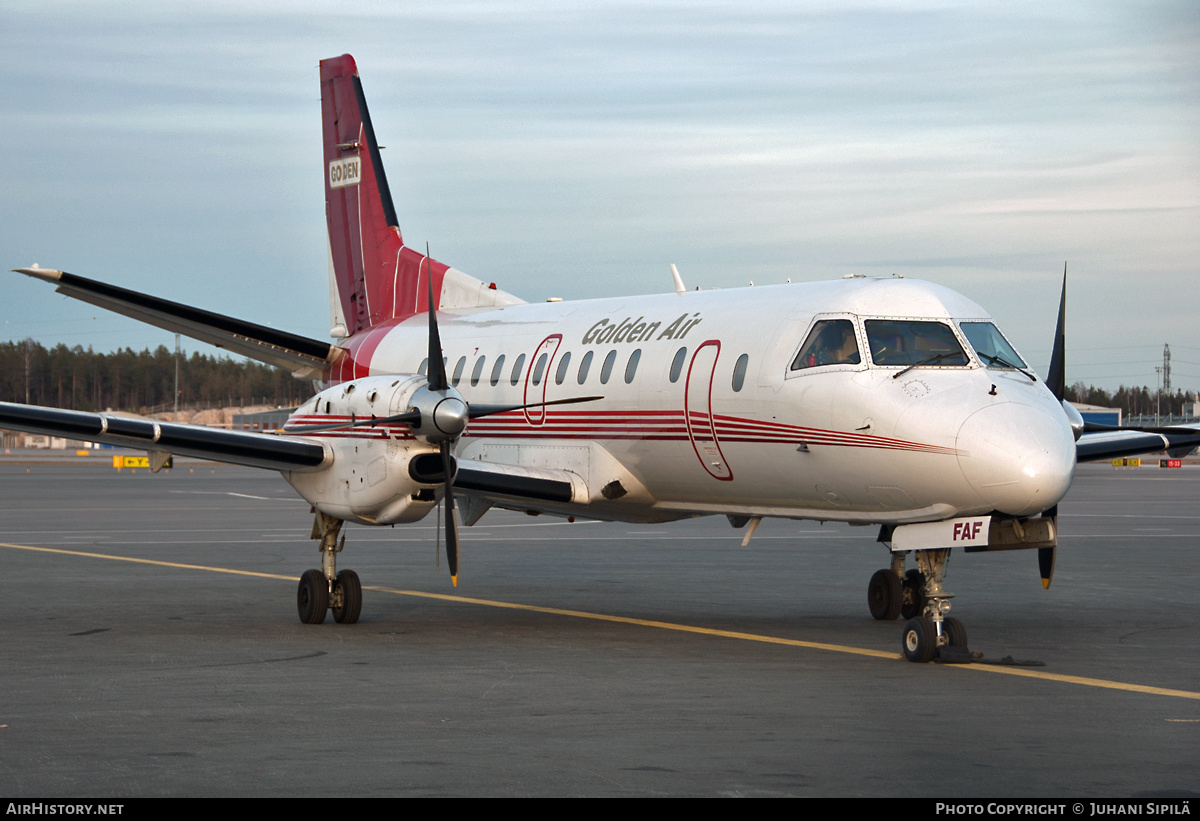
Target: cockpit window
pixel 913 342
pixel 831 342
pixel 993 349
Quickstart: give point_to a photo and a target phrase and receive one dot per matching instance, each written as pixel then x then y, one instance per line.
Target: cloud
pixel 576 149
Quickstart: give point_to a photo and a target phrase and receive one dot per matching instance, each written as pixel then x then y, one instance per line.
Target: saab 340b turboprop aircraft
pixel 887 402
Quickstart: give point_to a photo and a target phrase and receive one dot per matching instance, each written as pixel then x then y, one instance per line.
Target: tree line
pixel 127 380
pixel 142 382
pixel 1133 401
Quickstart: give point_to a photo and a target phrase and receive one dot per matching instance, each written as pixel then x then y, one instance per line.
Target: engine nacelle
pixel 379 474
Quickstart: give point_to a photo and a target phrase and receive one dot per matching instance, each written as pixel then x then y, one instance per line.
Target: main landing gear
pixel 918 596
pixel 327 589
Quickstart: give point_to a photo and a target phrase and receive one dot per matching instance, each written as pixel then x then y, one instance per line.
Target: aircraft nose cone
pixel 1018 458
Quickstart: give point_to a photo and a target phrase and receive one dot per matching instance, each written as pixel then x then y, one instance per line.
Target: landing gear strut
pixel 326 589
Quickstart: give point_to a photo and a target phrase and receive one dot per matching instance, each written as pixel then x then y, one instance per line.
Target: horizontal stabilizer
pixel 304 357
pixel 260 450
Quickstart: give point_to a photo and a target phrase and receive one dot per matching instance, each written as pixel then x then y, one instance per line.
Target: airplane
pixel 887 402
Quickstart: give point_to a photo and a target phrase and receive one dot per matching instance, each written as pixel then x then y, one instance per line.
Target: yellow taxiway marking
pixel 661 625
pixel 156 562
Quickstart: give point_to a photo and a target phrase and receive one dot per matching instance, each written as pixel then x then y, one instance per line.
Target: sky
pixel 577 149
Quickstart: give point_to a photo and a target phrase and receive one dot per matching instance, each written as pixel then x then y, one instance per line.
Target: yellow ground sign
pixel 140 462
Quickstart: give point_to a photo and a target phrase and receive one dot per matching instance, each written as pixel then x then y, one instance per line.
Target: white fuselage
pixel 844 442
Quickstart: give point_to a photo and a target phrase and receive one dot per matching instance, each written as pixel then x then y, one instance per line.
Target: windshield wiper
pixel 1004 363
pixel 938 357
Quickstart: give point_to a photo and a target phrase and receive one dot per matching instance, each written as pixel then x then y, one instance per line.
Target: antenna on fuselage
pixel 679 289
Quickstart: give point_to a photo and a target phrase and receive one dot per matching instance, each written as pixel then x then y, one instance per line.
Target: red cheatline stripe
pixel 657 425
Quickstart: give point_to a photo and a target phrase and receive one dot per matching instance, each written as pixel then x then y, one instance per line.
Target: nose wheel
pixel 919 640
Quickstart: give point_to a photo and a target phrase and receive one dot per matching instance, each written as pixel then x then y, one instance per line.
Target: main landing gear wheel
pixel 913 595
pixel 920 640
pixel 347 597
pixel 312 597
pixel 884 595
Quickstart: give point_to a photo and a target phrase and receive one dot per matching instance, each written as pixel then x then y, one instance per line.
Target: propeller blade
pixel 1056 379
pixel 413 417
pixel 437 368
pixel 407 418
pixel 478 411
pixel 451 519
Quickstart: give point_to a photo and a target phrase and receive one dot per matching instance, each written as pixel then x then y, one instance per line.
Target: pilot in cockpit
pixel 832 342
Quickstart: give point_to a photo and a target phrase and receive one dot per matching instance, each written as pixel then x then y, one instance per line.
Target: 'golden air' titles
pixel 604 331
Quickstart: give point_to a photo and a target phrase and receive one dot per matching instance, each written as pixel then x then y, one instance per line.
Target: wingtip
pixel 35 270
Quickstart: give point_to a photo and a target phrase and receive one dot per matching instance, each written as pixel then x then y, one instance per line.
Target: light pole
pixel 176 416
pixel 1158 393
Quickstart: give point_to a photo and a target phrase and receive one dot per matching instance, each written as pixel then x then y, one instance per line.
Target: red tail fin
pixel 374 277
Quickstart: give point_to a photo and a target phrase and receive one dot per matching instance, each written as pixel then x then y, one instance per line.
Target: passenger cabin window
pixel 539 369
pixel 631 368
pixel 993 349
pixel 739 371
pixel 561 374
pixel 606 369
pixel 677 364
pixel 584 365
pixel 516 371
pixel 830 342
pixel 458 371
pixel 496 369
pixel 478 372
pixel 913 342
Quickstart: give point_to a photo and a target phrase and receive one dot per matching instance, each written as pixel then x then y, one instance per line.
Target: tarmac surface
pixel 152 648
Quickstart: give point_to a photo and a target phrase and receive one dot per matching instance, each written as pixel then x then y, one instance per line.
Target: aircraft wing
pixel 1114 444
pixel 495 482
pixel 305 358
pixel 260 450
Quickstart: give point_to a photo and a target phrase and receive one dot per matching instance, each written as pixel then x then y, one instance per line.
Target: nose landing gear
pixel 918 595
